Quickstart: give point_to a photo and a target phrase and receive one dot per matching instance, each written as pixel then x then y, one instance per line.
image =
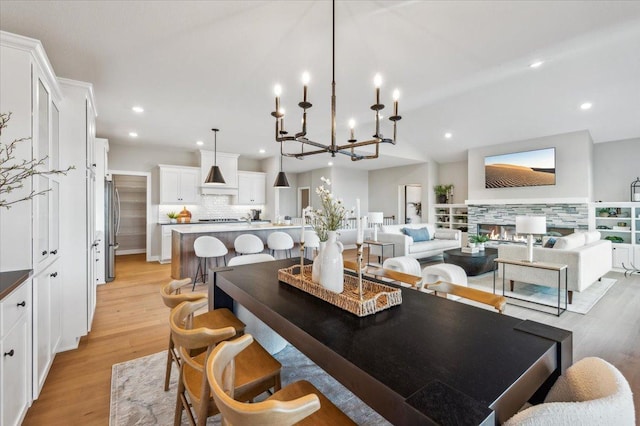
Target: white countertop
pixel 234 227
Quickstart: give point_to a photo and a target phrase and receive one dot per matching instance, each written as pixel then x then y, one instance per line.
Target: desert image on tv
pixel 531 168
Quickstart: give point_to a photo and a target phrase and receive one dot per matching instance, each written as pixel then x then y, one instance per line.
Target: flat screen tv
pixel 527 168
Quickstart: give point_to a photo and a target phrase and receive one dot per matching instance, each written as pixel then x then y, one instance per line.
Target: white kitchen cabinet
pixel 179 185
pixel 46 321
pixel 251 187
pixel 15 347
pixel 166 243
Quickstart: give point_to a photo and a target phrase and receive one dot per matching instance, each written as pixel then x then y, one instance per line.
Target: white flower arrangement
pixel 332 213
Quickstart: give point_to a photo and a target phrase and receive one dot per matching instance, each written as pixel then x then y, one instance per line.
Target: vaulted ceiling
pixel 462 67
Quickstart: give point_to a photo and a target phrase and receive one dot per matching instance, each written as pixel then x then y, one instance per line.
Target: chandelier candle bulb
pixel 352 125
pixel 396 96
pixel 377 82
pixel 305 82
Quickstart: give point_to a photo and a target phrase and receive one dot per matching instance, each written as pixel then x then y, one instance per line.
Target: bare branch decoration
pixel 14 173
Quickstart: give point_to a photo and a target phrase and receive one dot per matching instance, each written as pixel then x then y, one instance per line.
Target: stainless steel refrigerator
pixel 112 226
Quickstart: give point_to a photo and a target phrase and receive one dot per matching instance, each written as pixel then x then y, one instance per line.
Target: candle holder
pixel 359 265
pixel 302 259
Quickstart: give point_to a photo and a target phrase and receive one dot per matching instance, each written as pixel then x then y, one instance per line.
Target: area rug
pixel 138 398
pixel 582 301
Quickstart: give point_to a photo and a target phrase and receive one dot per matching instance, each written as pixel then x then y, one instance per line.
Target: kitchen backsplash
pixel 212 207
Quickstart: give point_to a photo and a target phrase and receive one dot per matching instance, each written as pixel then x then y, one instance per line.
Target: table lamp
pixel 375 219
pixel 531 225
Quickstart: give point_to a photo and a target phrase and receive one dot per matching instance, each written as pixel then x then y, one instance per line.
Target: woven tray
pixel 376 297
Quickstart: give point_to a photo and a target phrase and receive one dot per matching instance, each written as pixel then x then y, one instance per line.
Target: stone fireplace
pixel 500 219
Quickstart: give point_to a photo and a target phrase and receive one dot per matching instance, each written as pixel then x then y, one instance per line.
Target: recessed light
pixel 138 109
pixel 536 64
pixel 330 163
pixel 200 143
pixel 262 151
pixel 586 106
pixel 133 134
pixel 448 135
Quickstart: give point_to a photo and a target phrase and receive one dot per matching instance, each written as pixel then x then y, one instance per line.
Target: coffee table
pixel 472 263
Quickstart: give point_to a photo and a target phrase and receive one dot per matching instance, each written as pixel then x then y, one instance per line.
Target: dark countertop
pixel 11 280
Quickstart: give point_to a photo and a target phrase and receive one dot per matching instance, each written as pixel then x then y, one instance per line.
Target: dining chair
pixel 268 338
pixel 298 403
pixel 256 371
pixel 172 296
pixel 248 244
pixel 279 241
pixel 206 247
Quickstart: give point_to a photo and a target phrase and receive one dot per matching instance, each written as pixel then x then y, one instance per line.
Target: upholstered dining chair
pixel 172 296
pixel 248 244
pixel 592 392
pixel 268 338
pixel 279 241
pixel 298 403
pixel 256 370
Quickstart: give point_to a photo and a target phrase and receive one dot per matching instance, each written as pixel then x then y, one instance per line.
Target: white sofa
pixel 441 239
pixel 587 258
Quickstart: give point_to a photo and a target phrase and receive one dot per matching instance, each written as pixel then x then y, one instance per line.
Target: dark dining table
pixel 427 361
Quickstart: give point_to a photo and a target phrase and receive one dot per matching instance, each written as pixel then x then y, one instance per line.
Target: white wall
pixel 574 179
pixel 349 185
pixel 455 173
pixel 384 184
pixel 617 164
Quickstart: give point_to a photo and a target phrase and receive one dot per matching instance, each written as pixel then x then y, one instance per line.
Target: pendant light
pixel 281 179
pixel 215 175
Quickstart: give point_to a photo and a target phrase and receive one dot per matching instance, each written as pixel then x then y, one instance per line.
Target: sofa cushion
pixel 570 241
pixel 591 237
pixel 418 235
pixel 397 229
pixel 445 235
pixel 426 246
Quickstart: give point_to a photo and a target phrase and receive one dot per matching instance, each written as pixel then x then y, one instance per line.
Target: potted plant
pixel 603 212
pixel 443 192
pixel 478 240
pixel 173 217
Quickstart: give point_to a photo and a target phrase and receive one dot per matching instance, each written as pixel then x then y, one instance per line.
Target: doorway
pixel 304 199
pixel 410 203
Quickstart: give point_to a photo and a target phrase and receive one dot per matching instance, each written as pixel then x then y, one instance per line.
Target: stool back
pixel 207 246
pixel 248 244
pixel 311 239
pixel 279 241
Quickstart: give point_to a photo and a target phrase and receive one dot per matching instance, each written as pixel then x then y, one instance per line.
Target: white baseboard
pixel 132 251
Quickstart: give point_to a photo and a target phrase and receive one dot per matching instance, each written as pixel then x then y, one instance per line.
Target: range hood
pixel 228 164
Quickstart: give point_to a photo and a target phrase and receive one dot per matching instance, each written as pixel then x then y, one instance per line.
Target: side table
pixel 557 267
pixel 382 246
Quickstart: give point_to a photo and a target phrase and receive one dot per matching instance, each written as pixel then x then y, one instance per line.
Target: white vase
pixel 481 246
pixel 317 263
pixel 332 270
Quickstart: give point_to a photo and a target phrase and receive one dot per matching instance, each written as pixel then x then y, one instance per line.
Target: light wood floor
pixel 131 321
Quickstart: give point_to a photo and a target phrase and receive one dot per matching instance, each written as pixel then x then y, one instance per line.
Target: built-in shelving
pixel 132 234
pixel 620 223
pixel 453 216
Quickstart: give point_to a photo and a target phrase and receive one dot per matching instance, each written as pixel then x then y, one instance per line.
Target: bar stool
pixel 220 318
pixel 297 403
pixel 248 244
pixel 204 248
pixel 279 241
pixel 269 339
pixel 311 241
pixel 255 370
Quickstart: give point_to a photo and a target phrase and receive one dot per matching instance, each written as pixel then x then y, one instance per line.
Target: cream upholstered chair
pixel 220 318
pixel 268 338
pixel 404 264
pixel 280 241
pixel 206 247
pixel 248 244
pixel 299 403
pixel 592 392
pixel 256 370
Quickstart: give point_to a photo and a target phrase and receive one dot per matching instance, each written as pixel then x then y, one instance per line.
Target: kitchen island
pixel 183 259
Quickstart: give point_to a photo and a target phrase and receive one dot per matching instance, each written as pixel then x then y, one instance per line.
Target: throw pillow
pixel 418 235
pixel 591 237
pixel 550 243
pixel 570 241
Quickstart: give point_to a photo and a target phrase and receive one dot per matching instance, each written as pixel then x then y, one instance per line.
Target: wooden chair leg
pixel 177 419
pixel 167 376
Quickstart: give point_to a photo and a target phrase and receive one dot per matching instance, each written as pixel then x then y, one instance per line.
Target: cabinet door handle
pixel 23 304
pixel 10 353
pixel 55 274
pixel 44 253
pixel 54 252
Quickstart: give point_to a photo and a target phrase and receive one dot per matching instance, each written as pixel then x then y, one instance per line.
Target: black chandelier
pixel 333 148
